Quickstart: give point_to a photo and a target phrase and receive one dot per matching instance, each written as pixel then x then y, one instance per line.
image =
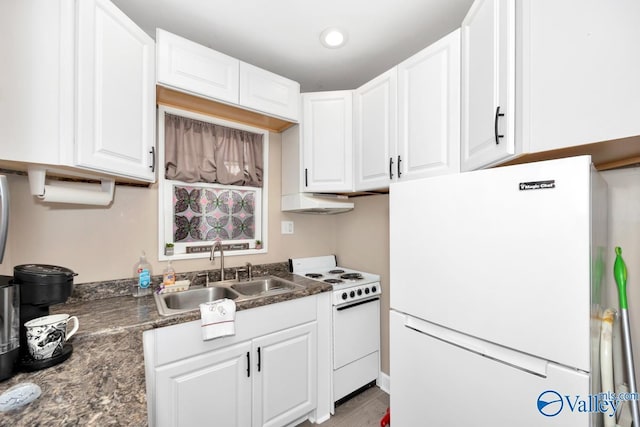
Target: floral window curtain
pixel 197 151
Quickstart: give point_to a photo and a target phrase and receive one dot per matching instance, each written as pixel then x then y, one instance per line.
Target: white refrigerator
pixel 496 284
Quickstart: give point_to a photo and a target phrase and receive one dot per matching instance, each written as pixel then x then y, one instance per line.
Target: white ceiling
pixel 282 36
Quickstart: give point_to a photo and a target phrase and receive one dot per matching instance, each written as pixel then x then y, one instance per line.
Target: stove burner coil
pixel 314 275
pixel 351 276
pixel 333 280
pixel 337 271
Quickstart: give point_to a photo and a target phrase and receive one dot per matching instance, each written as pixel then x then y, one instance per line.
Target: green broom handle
pixel 620 274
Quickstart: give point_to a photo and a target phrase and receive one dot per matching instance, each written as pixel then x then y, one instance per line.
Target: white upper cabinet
pixel 579 73
pixel 116 92
pixel 79 90
pixel 488 72
pixel 327 141
pixel 429 111
pixel 189 66
pixel 407 120
pixel 375 131
pixel 263 90
pixel 561 74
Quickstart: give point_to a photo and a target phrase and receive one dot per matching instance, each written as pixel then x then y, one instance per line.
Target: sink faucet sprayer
pixel 218 245
pixel 248 269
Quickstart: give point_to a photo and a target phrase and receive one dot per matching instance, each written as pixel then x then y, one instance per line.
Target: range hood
pixel 315 203
pixel 294 199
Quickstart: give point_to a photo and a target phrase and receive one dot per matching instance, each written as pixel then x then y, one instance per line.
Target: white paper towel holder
pixel 77 193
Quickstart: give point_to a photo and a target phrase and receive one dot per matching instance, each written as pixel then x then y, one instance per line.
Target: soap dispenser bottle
pixel 143 277
pixel 169 275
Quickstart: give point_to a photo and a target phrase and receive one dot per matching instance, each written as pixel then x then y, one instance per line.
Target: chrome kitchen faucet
pixel 218 245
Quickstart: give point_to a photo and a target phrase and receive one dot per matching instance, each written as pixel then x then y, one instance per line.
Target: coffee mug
pixel 46 335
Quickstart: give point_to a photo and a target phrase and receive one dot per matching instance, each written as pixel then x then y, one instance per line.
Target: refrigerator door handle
pixel 515 359
pixel 445 335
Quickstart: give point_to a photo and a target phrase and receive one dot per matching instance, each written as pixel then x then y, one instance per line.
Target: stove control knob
pixel 352 294
pixel 359 292
pixel 373 289
pixel 344 295
pixel 366 291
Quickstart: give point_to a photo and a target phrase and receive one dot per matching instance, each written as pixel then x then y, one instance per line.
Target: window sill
pixel 202 255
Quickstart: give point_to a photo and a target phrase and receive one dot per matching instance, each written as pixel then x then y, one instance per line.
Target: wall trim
pixel 384 382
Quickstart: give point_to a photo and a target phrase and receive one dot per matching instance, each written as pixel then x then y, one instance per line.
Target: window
pixel 194 214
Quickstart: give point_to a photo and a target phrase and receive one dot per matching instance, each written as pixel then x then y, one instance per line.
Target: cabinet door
pixel 578 99
pixel 488 62
pixel 115 92
pixel 429 111
pixel 327 141
pixel 268 92
pixel 37 85
pixel 375 131
pixel 189 66
pixel 284 387
pixel 210 389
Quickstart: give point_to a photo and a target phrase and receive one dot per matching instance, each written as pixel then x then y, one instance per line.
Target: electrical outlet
pixel 286 227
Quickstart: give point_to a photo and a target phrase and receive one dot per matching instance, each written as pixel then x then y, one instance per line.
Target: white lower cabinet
pixel 284 384
pixel 265 375
pixel 209 389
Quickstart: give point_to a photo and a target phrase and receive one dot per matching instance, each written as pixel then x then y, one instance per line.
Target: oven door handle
pixel 366 301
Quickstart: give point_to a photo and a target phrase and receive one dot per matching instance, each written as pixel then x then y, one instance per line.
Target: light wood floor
pixel 363 410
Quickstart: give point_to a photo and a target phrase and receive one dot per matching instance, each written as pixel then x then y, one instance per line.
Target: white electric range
pixel 356 321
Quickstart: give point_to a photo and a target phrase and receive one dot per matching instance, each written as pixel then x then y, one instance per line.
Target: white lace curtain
pixel 197 151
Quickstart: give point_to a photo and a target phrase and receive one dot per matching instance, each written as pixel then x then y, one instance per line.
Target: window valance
pixel 197 151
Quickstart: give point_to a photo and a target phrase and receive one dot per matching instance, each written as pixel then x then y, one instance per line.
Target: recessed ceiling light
pixel 333 38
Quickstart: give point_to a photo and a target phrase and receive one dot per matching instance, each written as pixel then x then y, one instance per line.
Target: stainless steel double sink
pixel 180 302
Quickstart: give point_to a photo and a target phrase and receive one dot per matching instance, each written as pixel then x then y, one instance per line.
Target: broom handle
pixel 620 274
pixel 628 359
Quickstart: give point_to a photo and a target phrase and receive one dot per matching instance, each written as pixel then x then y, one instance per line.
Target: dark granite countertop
pixel 126 313
pixel 103 383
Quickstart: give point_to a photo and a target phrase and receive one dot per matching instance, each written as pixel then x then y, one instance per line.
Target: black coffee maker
pixel 9 327
pixel 41 285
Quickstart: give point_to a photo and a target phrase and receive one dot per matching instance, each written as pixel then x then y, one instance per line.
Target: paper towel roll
pixel 75 195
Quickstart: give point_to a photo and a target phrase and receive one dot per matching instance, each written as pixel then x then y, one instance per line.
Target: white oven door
pixel 356 331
